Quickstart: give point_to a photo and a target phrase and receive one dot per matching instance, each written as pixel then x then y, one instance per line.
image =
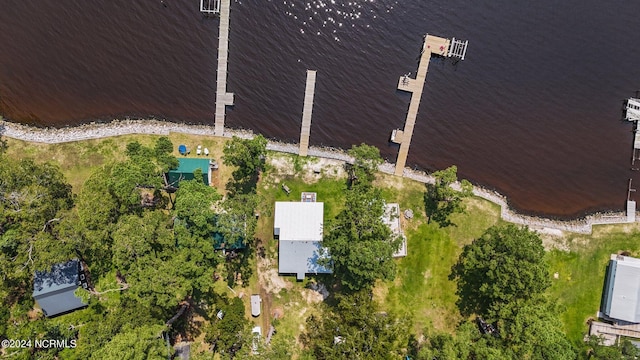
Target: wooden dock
pixel 611 332
pixel 305 130
pixel 223 98
pixel 433 45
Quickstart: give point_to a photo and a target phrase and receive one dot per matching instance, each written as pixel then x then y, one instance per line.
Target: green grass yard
pixel 422 288
pixel 581 272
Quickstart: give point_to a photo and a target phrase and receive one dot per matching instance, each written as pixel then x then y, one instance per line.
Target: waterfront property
pixel 620 308
pixel 54 290
pixel 187 168
pixel 298 228
pixel 391 218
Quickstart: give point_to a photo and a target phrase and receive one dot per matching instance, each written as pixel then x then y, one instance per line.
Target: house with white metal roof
pixel 298 227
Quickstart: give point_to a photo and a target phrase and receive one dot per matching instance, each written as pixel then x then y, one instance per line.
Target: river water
pixel 533 111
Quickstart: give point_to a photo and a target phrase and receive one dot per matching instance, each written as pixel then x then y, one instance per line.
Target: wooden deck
pixel 611 333
pixel 223 98
pixel 433 45
pixel 305 130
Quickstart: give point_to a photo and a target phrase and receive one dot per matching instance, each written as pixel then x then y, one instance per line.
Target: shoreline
pixel 118 127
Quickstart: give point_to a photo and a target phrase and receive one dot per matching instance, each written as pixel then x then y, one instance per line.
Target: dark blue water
pixel 534 110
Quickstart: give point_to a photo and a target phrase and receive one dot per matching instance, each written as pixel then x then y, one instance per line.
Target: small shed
pixel 187 168
pixel 54 290
pixel 256 304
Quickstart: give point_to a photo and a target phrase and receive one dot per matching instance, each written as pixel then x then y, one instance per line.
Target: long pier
pixel 432 45
pixel 305 130
pixel 223 98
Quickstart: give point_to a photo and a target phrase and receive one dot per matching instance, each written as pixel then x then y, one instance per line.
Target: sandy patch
pixel 269 278
pixel 553 238
pixel 317 168
pixel 311 169
pixel 315 293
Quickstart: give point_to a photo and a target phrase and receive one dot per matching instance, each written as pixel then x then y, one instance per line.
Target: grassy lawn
pixel 581 273
pixel 422 288
pixel 79 159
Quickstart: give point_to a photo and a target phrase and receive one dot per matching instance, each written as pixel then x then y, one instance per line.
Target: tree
pixel 194 207
pixel 441 200
pixel 144 342
pixel 162 271
pixel 596 350
pixel 529 329
pixel 361 245
pixel 504 265
pixel 355 329
pixel 32 196
pixel 163 150
pixel 248 156
pixel 230 333
pixel 366 161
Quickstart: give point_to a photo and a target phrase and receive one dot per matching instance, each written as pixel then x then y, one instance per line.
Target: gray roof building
pixel 298 226
pixel 54 290
pixel 621 298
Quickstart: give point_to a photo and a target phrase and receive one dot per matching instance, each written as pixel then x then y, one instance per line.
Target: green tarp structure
pixel 186 168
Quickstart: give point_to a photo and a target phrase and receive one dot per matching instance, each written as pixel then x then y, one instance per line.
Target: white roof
pixel 299 221
pixel 633 109
pixel 625 299
pixel 255 305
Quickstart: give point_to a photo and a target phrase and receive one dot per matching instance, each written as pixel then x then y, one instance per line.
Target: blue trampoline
pixel 182 149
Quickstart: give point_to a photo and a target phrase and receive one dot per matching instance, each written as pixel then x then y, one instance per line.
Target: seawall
pixel 158 127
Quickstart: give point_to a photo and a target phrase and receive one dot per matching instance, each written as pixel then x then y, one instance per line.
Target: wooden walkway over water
pixel 305 130
pixel 433 45
pixel 223 98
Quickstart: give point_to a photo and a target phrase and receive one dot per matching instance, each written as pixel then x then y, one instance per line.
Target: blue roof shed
pixel 54 290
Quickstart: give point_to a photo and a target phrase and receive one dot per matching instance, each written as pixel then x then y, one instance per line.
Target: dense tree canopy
pixel 441 200
pixel 529 329
pixel 248 156
pixel 230 333
pixel 145 342
pixel 366 161
pixel 504 265
pixel 361 244
pixel 32 197
pixel 194 207
pixel 355 329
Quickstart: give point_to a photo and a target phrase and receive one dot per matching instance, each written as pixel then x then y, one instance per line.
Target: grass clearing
pixel 581 273
pixel 79 159
pixel 422 288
